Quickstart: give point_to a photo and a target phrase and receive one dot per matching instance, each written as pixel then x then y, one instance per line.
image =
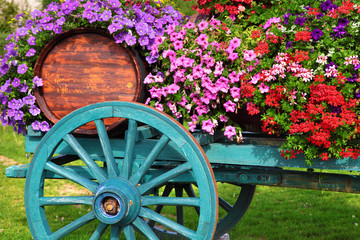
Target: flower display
pixel 198 81
pixel 134 24
pixel 297 69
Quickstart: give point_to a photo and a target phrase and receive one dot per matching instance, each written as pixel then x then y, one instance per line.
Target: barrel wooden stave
pixel 86 66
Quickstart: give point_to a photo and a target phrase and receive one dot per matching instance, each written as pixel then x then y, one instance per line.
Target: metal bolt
pixel 111 206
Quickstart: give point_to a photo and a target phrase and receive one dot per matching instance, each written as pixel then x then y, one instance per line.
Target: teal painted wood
pixel 217 153
pixel 194 159
pixel 240 175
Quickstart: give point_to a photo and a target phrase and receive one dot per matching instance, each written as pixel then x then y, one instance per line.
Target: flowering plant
pixel 134 24
pixel 299 70
pixel 197 76
pixel 233 9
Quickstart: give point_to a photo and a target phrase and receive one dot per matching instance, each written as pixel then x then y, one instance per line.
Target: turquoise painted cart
pixel 156 164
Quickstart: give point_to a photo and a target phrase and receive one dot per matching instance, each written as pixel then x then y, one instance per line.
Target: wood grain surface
pixel 83 67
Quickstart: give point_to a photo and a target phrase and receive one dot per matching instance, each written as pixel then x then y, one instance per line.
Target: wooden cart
pixel 153 163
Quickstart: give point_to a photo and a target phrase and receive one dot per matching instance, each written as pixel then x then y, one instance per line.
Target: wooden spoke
pixel 113 171
pixel 179 208
pixel 166 193
pixel 225 205
pixel 73 226
pixel 97 172
pixel 163 178
pixel 155 152
pixel 190 192
pixel 129 149
pixel 171 201
pixel 69 200
pixel 99 231
pixel 129 232
pixel 87 183
pixel 115 232
pixel 150 214
pixel 144 228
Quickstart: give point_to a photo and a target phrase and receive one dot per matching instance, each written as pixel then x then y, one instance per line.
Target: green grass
pixel 275 213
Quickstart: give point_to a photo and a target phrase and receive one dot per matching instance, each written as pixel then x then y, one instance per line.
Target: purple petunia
pixel 300 21
pixel 143 40
pixel 114 3
pixel 130 40
pixel 22 31
pixel 34 110
pixel 29 100
pixel 18 115
pixel 326 5
pixel 142 28
pixel 38 82
pixel 316 34
pixel 114 27
pixel 23 87
pixel 35 125
pixel 31 52
pixel 339 31
pixel 36 13
pixel 15 82
pixel 22 68
pixel 57 29
pixel 286 18
pixel 343 22
pixel 31 41
pixel 15 103
pixel 289 45
pixel 44 126
pixel 106 15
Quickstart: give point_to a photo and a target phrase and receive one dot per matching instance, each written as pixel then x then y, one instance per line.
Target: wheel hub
pixel 111 205
pixel 116 201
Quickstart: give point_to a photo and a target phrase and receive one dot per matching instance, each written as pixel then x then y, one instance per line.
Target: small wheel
pixel 231 213
pixel 230 210
pixel 120 195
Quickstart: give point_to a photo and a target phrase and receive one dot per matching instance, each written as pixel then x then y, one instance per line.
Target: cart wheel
pixel 231 211
pixel 119 196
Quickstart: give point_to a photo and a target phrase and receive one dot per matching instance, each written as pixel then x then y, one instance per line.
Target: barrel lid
pixel 85 66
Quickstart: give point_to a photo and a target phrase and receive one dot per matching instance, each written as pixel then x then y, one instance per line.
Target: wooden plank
pixel 218 153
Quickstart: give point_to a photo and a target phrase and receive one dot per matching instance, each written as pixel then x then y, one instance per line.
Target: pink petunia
pixel 230 132
pixel 173 88
pixel 249 55
pixel 192 126
pixel 255 78
pixel 264 88
pixel 235 42
pixel 234 77
pixel 229 106
pixel 203 25
pixel 218 68
pixel 159 106
pixel 233 56
pixel 178 45
pixel 223 118
pixel 235 92
pixel 208 126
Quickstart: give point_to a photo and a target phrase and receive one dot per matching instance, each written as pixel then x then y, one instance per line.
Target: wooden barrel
pixel 85 66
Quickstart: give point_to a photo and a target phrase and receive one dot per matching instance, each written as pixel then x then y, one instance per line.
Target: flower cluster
pixel 298 69
pixel 307 83
pixel 134 24
pixel 197 77
pixel 237 10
